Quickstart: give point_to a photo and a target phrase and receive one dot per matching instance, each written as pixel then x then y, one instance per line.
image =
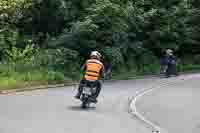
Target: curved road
pixel 56 111
pixel 174 107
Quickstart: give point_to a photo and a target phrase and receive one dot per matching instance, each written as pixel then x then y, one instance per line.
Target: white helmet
pixel 96 53
pixel 169 51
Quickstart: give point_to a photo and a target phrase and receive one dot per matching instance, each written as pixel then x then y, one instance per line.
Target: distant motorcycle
pixel 171 69
pixel 89 89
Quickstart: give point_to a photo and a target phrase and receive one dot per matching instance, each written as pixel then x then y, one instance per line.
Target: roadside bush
pixel 16 55
pixel 188 67
pixel 197 59
pixel 147 62
pixel 63 60
pixel 55 76
pixel 114 55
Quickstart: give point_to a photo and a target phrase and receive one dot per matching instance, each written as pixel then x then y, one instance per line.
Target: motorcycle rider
pixel 94 69
pixel 171 67
pixel 163 63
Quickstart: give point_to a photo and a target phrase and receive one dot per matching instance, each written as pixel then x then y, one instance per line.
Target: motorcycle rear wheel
pixel 84 105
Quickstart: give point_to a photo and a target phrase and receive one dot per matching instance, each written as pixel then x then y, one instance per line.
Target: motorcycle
pixel 88 90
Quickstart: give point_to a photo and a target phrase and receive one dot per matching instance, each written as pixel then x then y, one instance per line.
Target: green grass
pixel 12 80
pixel 133 73
pixel 7 83
pixel 189 67
pixel 15 80
pixel 151 70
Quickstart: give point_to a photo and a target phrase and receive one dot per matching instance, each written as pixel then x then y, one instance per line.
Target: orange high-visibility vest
pixel 93 69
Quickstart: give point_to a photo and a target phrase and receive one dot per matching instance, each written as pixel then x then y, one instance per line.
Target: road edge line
pixel 133 108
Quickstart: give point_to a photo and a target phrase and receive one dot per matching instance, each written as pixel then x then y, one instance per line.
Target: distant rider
pixel 171 59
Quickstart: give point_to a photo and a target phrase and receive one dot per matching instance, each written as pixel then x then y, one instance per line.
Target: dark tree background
pixel 131 34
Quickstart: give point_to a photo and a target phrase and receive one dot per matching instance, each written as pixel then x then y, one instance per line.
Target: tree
pixel 10 14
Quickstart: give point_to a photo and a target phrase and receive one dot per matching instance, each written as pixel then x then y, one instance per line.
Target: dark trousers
pixel 84 82
pixel 163 69
pixel 171 70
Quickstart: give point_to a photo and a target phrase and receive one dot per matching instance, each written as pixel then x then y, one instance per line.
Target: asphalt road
pixel 56 111
pixel 174 107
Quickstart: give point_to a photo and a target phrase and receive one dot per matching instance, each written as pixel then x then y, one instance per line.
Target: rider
pixel 171 69
pixel 163 63
pixel 93 70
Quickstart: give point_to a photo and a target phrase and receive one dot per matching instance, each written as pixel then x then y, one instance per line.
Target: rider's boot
pixel 78 95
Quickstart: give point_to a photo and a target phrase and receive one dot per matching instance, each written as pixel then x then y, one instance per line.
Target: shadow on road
pixel 78 108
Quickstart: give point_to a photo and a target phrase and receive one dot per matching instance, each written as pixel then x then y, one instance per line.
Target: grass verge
pixel 15 80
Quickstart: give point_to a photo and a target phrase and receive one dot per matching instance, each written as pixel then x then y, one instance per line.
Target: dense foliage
pixel 59 34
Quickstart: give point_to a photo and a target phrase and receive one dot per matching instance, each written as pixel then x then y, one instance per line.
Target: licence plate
pixel 87 91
